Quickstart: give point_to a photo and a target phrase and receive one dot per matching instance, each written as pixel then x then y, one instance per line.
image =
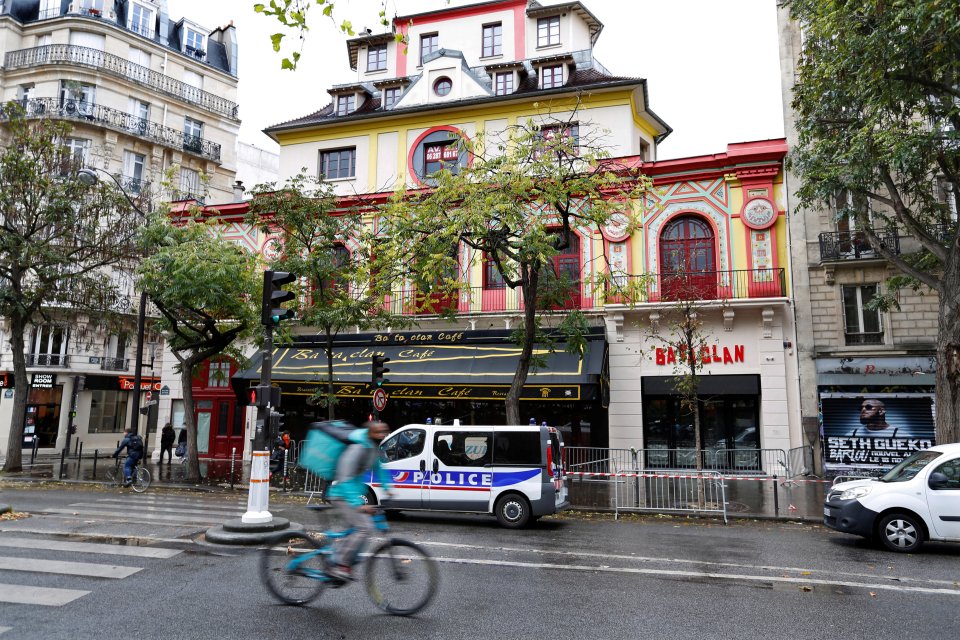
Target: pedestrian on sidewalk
pixel 167 436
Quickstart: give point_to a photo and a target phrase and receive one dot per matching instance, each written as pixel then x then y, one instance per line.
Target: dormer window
pixel 503 83
pixel 377 58
pixel 141 19
pixel 391 95
pixel 194 43
pixel 346 104
pixel 548 31
pixel 551 76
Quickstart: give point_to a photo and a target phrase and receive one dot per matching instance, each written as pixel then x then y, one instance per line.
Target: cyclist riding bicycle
pixel 133 443
pixel 346 495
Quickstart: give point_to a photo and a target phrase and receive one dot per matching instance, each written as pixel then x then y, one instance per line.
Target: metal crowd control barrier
pixel 678 491
pixel 314 486
pixel 582 462
pixel 800 461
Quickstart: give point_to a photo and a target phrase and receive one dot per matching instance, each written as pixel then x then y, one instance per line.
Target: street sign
pixel 379 399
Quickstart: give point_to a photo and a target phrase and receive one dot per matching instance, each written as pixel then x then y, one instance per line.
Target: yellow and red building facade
pixel 718 219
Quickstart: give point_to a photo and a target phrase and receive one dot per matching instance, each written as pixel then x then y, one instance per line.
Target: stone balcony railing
pixel 121 121
pixel 68 54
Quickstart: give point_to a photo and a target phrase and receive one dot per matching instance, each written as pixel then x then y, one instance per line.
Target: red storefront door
pixel 219 421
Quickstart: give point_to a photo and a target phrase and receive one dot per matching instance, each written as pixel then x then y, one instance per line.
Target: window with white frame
pixel 115 352
pixel 548 31
pixel 551 76
pixel 194 43
pixel 25 93
pixel 91 7
pixel 193 79
pixel 77 97
pixel 78 150
pixel 89 40
pixel 503 83
pixel 377 58
pixel 46 39
pixel 192 134
pixel 861 325
pixel 346 104
pixel 139 56
pixel 338 163
pixel 189 183
pixel 219 374
pixel 49 9
pixel 391 95
pixel 48 346
pixel 133 170
pixel 140 111
pixel 141 19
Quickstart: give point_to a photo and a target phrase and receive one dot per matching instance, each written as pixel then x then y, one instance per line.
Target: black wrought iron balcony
pixel 180 195
pixel 113 364
pixel 120 121
pixel 854 245
pixel 736 284
pixel 48 360
pixel 59 54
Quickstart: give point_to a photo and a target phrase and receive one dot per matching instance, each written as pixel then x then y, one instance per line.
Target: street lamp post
pixel 88 176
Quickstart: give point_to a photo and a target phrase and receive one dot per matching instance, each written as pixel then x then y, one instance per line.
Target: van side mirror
pixel 938 480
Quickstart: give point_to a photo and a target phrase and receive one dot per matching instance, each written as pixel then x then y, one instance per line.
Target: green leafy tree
pixel 329 249
pixel 207 291
pixel 877 103
pixel 60 240
pixel 517 205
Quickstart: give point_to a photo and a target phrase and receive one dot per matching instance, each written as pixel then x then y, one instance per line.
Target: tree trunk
pixel 948 362
pixel 529 289
pixel 21 389
pixel 186 381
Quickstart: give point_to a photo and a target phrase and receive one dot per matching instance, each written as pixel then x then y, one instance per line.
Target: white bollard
pixel 258 501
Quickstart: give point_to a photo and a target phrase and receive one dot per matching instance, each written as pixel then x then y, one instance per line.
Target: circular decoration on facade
pixel 616 227
pixel 759 214
pixel 434 149
pixel 442 86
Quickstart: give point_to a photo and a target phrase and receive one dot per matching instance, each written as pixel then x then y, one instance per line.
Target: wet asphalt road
pixel 574 576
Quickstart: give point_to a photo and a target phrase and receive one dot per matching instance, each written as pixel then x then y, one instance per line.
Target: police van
pixel 513 472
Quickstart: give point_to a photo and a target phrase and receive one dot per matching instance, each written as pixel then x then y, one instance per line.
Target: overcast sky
pixel 712 66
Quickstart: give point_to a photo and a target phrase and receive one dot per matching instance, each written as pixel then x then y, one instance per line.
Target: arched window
pixel 688 260
pixel 564 270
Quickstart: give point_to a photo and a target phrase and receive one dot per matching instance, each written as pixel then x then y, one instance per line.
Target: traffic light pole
pixel 258 499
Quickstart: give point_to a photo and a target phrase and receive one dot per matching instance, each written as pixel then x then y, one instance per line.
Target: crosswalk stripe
pixel 45 596
pixel 166 508
pixel 132 517
pixel 65 567
pixel 3 629
pixel 89 547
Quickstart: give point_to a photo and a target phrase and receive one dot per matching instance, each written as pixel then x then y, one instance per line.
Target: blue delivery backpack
pixel 325 442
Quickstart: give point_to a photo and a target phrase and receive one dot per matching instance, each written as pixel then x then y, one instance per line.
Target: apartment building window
pixel 133 169
pixel 377 58
pixel 492 279
pixel 219 374
pixel 548 31
pixel 77 97
pixel 48 346
pixel 189 183
pixel 551 76
pixel 108 411
pixel 192 134
pixel 141 20
pixel 115 353
pixel 429 43
pixel 92 7
pixel 946 194
pixel 193 79
pixel 390 97
pixel 346 104
pixel 140 111
pixel 503 83
pixel 492 40
pixel 861 325
pixel 194 42
pixel 338 163
pixel 570 133
pixel 77 152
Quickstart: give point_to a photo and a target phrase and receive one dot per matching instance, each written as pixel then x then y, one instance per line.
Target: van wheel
pixel 513 511
pixel 900 532
pixel 368 498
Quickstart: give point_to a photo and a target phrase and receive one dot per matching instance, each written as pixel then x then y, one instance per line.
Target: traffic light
pixel 276 422
pixel 378 370
pixel 264 396
pixel 274 296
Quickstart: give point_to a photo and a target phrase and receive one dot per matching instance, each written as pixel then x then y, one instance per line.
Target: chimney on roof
pixel 238 191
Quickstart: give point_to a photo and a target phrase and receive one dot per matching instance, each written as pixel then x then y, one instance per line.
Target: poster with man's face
pixel 874 431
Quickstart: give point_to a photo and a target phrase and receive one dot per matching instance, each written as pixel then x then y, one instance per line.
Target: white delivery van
pixel 917 500
pixel 513 472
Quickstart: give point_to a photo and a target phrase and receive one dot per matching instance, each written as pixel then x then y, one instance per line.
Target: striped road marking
pixel 89 547
pixel 167 508
pixel 133 516
pixel 63 567
pixel 45 596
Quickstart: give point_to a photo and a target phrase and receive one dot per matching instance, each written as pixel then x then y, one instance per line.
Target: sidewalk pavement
pixel 756 497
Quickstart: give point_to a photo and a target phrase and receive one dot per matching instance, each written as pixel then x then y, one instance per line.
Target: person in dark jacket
pixel 133 443
pixel 167 436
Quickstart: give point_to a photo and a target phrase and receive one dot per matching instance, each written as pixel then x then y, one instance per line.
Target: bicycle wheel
pixel 111 476
pixel 294 572
pixel 401 577
pixel 141 480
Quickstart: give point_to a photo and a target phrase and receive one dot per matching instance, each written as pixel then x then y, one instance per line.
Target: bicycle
pixel 140 481
pixel 396 569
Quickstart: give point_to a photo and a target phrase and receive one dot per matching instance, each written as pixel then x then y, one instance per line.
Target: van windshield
pixel 909 467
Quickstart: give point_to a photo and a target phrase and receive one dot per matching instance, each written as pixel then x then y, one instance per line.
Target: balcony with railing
pixel 854 245
pixel 121 121
pixel 48 360
pixel 745 284
pixel 113 364
pixel 68 54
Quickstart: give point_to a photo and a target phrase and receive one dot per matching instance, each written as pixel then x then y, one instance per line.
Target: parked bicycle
pixel 140 480
pixel 400 577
